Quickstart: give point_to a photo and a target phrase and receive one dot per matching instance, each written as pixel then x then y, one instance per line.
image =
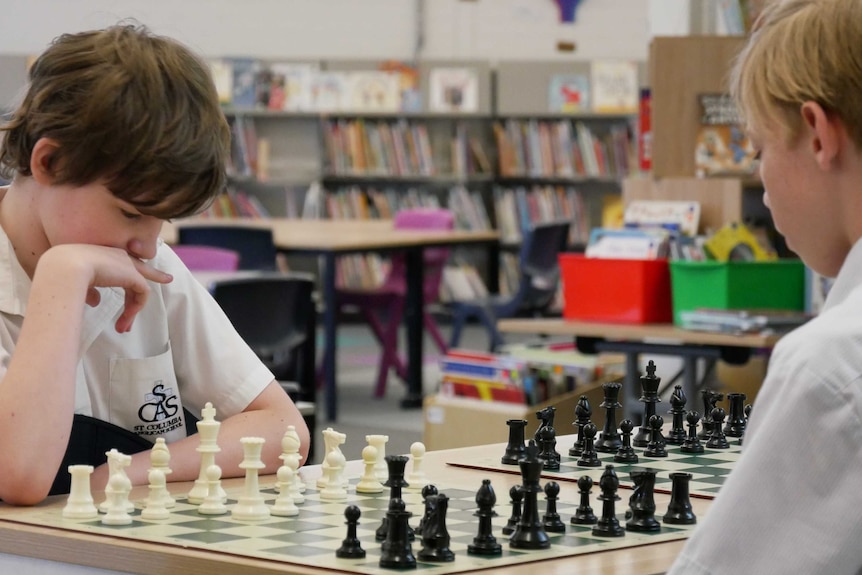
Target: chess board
pixel 708 469
pixel 311 538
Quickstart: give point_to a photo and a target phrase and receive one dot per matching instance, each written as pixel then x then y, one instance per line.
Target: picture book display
pixel 722 148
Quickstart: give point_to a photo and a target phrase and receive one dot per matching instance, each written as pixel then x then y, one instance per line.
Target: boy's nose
pixel 143 246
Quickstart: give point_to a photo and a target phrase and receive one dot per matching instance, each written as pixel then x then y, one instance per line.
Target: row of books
pixel 356 147
pixel 519 208
pixel 532 148
pixel 235 203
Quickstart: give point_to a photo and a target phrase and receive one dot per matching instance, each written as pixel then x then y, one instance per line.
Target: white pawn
pixel 160 458
pixel 369 483
pixel 117 496
pixel 334 490
pixel 290 444
pixel 80 503
pixel 295 487
pixel 380 467
pixel 213 503
pixel 417 478
pixel 284 505
pixel 154 506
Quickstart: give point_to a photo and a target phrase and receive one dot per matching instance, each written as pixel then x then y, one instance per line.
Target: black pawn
pixel 679 510
pixel 609 440
pixel 626 453
pixel 584 513
pixel 589 458
pixel 435 534
pixel 529 533
pixel 351 548
pixel 396 552
pixel 710 398
pixel 608 525
pixel 427 491
pixel 551 520
pixel 649 397
pixel 747 411
pixel 692 441
pixel 677 412
pixel 717 439
pixel 516 494
pixel 735 426
pixel 655 447
pixel 547 440
pixel 583 412
pixel 642 502
pixel 485 543
pixel 515 446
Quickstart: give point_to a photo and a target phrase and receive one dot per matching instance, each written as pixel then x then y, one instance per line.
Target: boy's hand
pixel 101 266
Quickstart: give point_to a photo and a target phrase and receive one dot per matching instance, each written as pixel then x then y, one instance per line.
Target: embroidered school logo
pixel 160 412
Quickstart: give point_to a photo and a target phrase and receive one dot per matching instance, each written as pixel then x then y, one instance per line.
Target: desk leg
pixel 413 317
pixel 329 336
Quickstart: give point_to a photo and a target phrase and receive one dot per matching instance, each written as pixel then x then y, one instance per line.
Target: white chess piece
pixel 290 444
pixel 331 440
pixel 208 429
pixel 417 478
pixel 154 506
pixel 251 505
pixel 117 496
pixel 296 487
pixel 213 503
pixel 284 505
pixel 117 463
pixel 80 503
pixel 369 483
pixel 380 467
pixel 334 490
pixel 160 458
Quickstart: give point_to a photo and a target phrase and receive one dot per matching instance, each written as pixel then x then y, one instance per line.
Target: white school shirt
pixel 181 352
pixel 793 503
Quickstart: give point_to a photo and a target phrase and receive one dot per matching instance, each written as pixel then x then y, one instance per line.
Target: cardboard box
pixel 464 422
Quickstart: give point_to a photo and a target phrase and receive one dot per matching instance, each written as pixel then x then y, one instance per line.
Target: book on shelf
pixel 222 75
pixel 568 93
pixel 742 320
pixel 629 244
pixel 372 91
pixel 615 86
pixel 722 147
pixel 409 94
pixel 453 90
pixel 244 82
pixel 681 216
pixel 328 91
pixel 287 86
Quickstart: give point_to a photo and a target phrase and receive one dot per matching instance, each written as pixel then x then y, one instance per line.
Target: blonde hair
pixel 800 51
pixel 134 110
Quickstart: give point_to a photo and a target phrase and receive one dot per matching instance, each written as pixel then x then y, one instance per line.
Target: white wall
pixel 362 29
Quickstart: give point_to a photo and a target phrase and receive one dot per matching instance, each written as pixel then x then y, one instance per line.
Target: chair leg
pixel 389 348
pixel 431 327
pixel 458 319
pixel 494 339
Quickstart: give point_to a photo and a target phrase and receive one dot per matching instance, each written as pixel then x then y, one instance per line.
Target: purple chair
pixel 207 258
pixel 383 307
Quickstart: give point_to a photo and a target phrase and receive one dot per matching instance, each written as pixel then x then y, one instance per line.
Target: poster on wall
pixel 453 90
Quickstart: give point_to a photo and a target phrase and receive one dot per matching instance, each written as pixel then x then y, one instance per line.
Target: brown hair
pixel 802 50
pixel 136 111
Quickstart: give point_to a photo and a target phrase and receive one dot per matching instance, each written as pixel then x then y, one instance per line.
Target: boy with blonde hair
pixel 792 503
pixel 102 329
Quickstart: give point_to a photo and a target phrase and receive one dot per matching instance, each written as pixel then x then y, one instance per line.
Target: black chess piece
pixel 649 397
pixel 735 426
pixel 710 398
pixel 583 412
pixel 589 457
pixel 642 502
pixel 679 511
pixel 584 512
pixel 529 533
pixel 395 482
pixel 677 412
pixel 551 519
pixel 626 453
pixel 427 491
pixel 692 441
pixel 435 534
pixel 515 446
pixel 717 439
pixel 351 548
pixel 609 440
pixel 485 543
pixel 396 551
pixel 608 525
pixel 747 411
pixel 655 447
pixel 547 440
pixel 546 416
pixel 516 494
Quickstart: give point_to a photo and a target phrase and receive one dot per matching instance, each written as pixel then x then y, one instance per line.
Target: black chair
pixel 537 287
pixel 276 316
pixel 255 245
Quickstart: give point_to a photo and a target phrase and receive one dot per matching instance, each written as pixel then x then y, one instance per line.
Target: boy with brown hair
pixel 101 325
pixel 791 505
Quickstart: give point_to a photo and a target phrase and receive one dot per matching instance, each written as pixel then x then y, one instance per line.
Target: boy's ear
pixel 43 160
pixel 825 133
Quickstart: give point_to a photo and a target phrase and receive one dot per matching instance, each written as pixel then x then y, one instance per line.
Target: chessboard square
pixel 204 524
pixel 133 525
pixel 661 465
pixel 725 455
pixel 380 503
pixel 302 525
pixel 301 551
pixel 156 531
pixel 299 537
pixel 373 515
pixel 727 465
pixel 209 537
pixel 256 531
pixel 711 480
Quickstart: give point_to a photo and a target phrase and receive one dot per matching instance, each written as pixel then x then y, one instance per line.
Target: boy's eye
pixel 130 215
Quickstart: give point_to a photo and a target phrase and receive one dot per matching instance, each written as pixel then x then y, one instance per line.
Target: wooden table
pixel 32 549
pixel 660 339
pixel 332 238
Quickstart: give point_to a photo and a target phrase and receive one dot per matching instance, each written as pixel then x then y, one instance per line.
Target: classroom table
pixel 633 340
pixel 57 551
pixel 332 238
